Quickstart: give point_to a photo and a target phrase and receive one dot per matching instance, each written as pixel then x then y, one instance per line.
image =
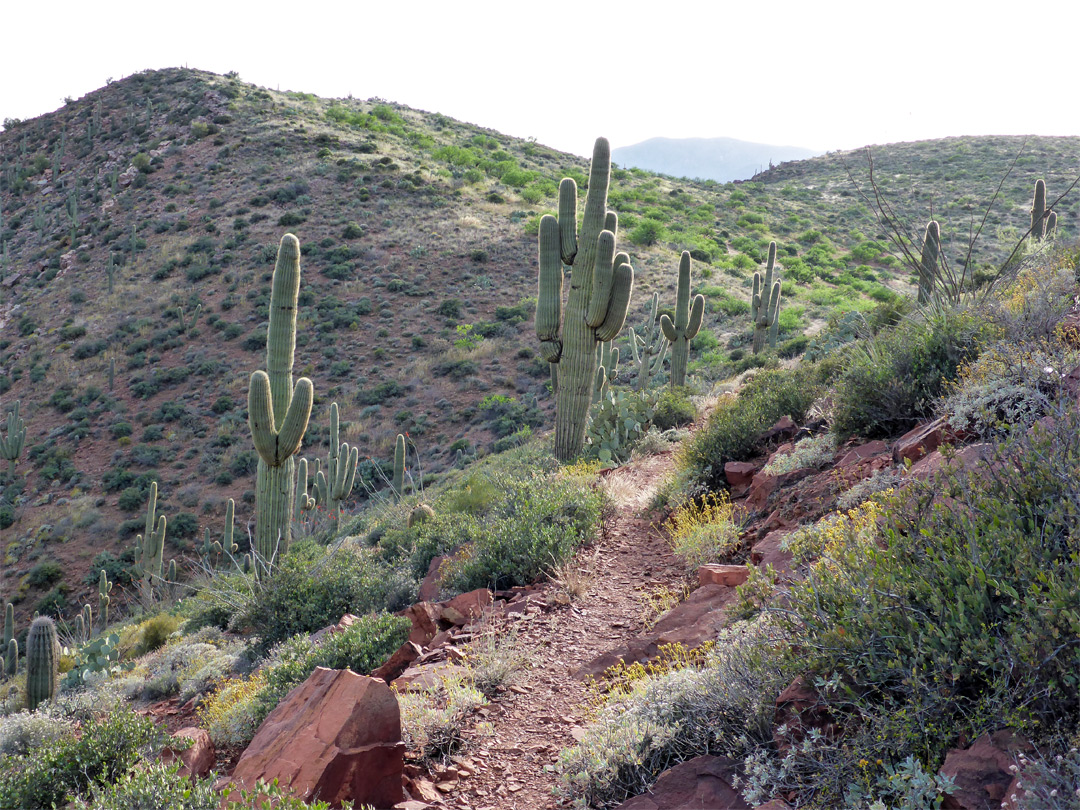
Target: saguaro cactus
pixel 42 661
pixel 600 287
pixel 649 356
pixel 765 304
pixel 607 366
pixel 11 659
pixel 150 546
pixel 399 467
pixel 304 502
pixel 686 325
pixel 11 444
pixel 9 622
pixel 928 261
pixel 277 412
pixel 104 586
pixel 335 486
pixel 1038 210
pixel 1051 225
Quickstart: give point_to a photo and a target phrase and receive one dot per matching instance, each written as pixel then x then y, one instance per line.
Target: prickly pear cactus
pixel 686 325
pixel 42 662
pixel 601 284
pixel 278 412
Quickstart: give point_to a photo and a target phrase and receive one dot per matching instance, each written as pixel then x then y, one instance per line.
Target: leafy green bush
pixel 890 381
pixel 733 430
pixel 314 587
pixel 674 409
pixel 154 632
pixel 70 766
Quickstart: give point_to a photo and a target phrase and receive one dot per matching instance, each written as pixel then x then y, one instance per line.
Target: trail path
pixel 538 716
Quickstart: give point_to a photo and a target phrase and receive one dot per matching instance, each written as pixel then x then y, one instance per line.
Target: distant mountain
pixel 722 159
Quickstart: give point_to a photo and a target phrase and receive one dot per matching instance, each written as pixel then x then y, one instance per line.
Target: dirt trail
pixel 514 767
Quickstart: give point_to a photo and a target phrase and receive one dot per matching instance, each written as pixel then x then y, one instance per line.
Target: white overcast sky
pixel 826 75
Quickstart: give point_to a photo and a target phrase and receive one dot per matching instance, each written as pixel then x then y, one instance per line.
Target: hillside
pixel 720 159
pixel 139 226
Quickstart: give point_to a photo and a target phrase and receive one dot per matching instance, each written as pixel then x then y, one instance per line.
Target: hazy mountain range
pixel 721 159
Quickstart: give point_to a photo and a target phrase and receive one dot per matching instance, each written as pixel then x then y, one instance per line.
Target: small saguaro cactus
pixel 11 658
pixel 649 355
pixel 607 367
pixel 1051 225
pixel 928 262
pixel 336 485
pixel 1038 211
pixel 765 304
pixel 278 412
pixel 150 546
pixel 11 443
pixel 9 622
pixel 686 325
pixel 226 545
pixel 104 586
pixel 399 467
pixel 601 284
pixel 42 662
pixel 304 502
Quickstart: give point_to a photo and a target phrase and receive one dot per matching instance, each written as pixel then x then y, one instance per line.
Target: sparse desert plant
pixel 813 452
pixel 433 718
pixel 495 656
pixel 704 531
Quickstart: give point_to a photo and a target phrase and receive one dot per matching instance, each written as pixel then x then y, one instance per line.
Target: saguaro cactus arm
pixel 686 325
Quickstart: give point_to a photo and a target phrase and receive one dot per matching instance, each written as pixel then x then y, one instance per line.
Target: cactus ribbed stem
pixel 928 261
pixel 686 325
pixel 11 443
pixel 1038 210
pixel 601 283
pixel 399 467
pixel 278 413
pixel 42 662
pixel 765 304
pixel 104 586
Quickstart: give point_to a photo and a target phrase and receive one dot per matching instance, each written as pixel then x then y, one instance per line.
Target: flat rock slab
pixel 702 783
pixel 337 737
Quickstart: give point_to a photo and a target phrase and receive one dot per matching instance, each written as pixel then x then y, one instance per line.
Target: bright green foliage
pixel 336 485
pixel 765 304
pixel 104 586
pixel 649 348
pixel 11 444
pixel 686 325
pixel 1038 211
pixel 42 662
pixel 150 546
pixel 277 412
pixel 600 287
pixel 928 262
pixel 399 467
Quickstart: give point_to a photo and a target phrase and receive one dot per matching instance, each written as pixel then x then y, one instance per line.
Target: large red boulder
pixel 336 737
pixel 703 782
pixel 983 772
pixel 197 759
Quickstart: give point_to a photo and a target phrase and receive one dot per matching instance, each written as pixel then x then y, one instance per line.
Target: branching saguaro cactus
pixel 278 413
pixel 11 443
pixel 687 323
pixel 928 261
pixel 649 348
pixel 304 503
pixel 336 485
pixel 765 304
pixel 226 545
pixel 601 284
pixel 150 546
pixel 104 586
pixel 607 367
pixel 42 662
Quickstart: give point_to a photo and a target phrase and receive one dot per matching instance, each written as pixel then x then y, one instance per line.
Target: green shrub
pixel 733 430
pixel 154 787
pixel 673 409
pixel 890 381
pixel 44 573
pixel 154 633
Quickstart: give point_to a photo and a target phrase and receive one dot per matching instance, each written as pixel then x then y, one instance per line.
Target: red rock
pixel 425 622
pixel 862 452
pixel 982 772
pixel 197 760
pixel 785 428
pixel 467 607
pixel 637 650
pixel 768 551
pixel 337 737
pixel 799 708
pixel 427 676
pixel 398 662
pixel 924 439
pixel 348 620
pixel 730 576
pixel 760 489
pixel 739 473
pixel 775 804
pixel 431 586
pixel 412 804
pixel 697 619
pixel 702 782
pixel 964 458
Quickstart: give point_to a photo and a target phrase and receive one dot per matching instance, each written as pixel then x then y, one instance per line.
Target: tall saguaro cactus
pixel 11 443
pixel 150 546
pixel 104 586
pixel 686 325
pixel 765 304
pixel 42 662
pixel 928 261
pixel 601 283
pixel 278 413
pixel 335 486
pixel 1038 211
pixel 399 467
